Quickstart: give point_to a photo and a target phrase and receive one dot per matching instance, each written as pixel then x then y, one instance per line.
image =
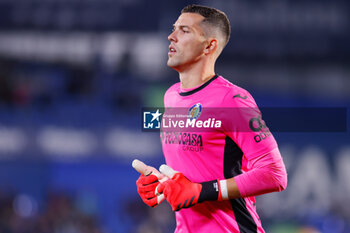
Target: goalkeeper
pixel 212 176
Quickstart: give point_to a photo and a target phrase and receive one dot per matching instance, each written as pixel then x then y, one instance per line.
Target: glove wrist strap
pixel 215 190
pixel 210 191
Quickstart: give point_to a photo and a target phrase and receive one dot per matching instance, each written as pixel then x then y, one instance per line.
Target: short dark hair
pixel 213 17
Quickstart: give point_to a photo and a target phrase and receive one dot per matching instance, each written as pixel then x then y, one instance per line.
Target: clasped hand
pixel 179 191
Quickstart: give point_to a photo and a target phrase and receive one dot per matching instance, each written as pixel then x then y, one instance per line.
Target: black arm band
pixel 210 191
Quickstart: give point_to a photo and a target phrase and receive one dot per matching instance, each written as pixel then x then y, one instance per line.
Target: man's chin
pixel 171 64
pixel 174 64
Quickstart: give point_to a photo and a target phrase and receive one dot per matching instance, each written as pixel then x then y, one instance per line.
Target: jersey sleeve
pixel 267 174
pixel 244 124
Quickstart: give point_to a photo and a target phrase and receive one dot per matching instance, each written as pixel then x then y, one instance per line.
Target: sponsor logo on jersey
pixel 189 141
pixel 258 125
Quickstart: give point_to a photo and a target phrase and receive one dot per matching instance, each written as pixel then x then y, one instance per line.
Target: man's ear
pixel 211 47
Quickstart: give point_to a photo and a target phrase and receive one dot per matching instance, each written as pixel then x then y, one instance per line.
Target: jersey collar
pixel 198 88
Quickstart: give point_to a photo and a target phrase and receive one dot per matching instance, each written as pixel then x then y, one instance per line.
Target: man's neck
pixel 192 78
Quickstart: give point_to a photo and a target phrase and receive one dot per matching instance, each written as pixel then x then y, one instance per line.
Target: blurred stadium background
pixel 74 75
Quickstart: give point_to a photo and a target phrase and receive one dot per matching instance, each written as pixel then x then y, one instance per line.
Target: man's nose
pixel 172 37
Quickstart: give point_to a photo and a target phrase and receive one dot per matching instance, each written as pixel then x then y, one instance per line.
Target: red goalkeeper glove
pixel 146 186
pixel 147 183
pixel 180 192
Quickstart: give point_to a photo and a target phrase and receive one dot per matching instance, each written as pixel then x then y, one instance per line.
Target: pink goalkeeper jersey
pixel 229 133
